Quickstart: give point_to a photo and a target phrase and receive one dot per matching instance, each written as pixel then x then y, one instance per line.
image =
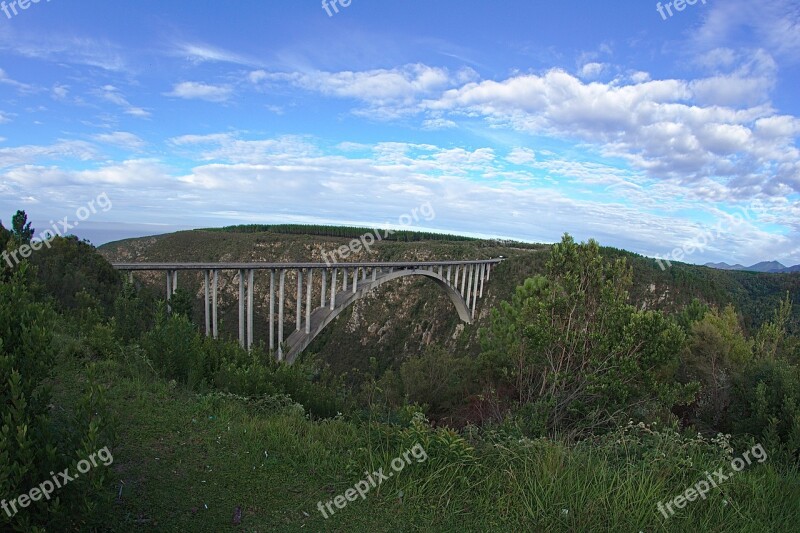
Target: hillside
pixel 405 318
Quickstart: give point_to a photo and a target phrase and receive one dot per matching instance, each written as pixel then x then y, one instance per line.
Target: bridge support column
pixel 299 298
pixel 324 290
pixel 281 305
pixel 174 281
pixel 449 267
pixel 250 276
pixel 355 280
pixel 484 272
pixel 374 273
pixel 207 303
pixel 169 286
pixel 272 309
pixel 241 308
pixel 333 287
pixel 469 284
pixel 478 272
pixel 308 299
pixel 463 280
pixel 214 305
pixel 344 279
pixel 130 277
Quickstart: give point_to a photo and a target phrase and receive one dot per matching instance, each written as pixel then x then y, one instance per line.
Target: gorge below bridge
pixel 462 281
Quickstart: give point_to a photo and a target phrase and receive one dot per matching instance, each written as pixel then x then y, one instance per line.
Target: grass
pixel 185 461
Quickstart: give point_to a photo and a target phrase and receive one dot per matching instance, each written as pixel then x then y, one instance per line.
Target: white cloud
pixel 592 71
pixel 136 172
pixel 228 147
pixel 113 95
pixel 521 156
pixel 121 138
pixel 201 53
pixel 201 91
pixel 656 126
pixel 372 183
pixel 28 154
pixel 58 48
pixel 773 26
pixel 59 92
pixel 387 91
pixel 438 124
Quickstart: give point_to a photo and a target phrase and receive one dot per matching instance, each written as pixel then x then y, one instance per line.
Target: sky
pixel 668 132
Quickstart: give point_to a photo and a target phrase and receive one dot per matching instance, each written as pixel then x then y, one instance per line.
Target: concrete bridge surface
pixel 462 281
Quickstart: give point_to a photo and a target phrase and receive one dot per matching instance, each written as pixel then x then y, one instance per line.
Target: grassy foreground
pixel 186 461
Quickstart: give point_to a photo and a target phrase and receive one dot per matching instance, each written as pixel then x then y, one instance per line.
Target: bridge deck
pixel 275 266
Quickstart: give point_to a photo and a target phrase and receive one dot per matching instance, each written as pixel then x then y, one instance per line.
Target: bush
pixel 767 405
pixel 175 347
pixel 31 443
pixel 437 379
pixel 133 314
pixel 572 341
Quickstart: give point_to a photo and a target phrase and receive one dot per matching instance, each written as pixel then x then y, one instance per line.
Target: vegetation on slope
pixel 582 408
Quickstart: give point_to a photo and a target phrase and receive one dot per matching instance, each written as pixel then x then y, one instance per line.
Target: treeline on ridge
pixel 345 232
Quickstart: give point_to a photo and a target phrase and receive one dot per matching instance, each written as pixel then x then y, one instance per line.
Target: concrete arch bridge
pixel 462 281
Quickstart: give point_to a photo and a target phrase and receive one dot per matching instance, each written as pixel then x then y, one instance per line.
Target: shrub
pixel 31 443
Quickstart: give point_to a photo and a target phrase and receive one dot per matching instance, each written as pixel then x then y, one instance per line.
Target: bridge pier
pixel 207 303
pixel 324 289
pixel 469 284
pixel 484 272
pixel 281 305
pixel 475 290
pixel 214 322
pixel 333 287
pixel 299 298
pixel 272 309
pixel 309 285
pixel 250 275
pixel 241 308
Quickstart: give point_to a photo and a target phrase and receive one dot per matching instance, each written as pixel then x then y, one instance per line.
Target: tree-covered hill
pixel 406 318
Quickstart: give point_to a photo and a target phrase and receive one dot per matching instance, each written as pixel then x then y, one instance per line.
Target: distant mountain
pixel 726 266
pixel 770 267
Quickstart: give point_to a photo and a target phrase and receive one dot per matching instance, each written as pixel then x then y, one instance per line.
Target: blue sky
pixel 513 119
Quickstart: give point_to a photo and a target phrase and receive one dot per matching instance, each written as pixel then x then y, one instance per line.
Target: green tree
pixel 27 452
pixel 570 344
pixel 182 303
pixel 717 350
pixel 23 232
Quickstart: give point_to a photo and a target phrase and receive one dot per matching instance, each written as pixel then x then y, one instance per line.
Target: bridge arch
pixel 322 316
